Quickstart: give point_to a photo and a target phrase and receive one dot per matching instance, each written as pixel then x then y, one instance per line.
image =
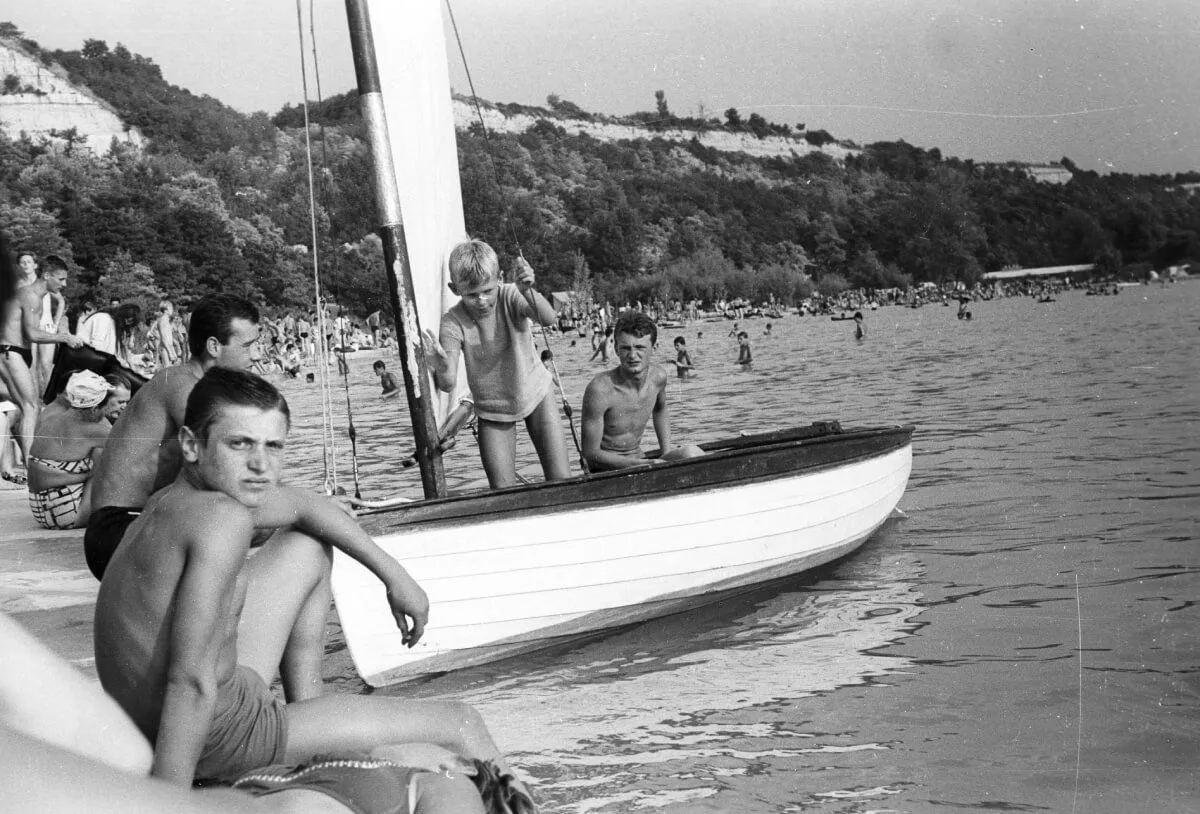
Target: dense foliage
pixel 220 201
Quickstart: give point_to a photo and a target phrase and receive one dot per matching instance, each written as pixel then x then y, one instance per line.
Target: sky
pixel 1112 84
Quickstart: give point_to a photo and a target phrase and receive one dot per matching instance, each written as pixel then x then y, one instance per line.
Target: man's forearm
pixel 186 717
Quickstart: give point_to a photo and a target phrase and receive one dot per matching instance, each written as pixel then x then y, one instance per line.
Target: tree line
pixel 218 201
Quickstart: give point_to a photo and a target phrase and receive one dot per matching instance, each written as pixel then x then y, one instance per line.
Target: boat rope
pixel 343 340
pixel 487 141
pixel 328 444
pixel 322 329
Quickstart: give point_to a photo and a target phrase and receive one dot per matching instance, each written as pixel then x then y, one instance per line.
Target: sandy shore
pixel 44 581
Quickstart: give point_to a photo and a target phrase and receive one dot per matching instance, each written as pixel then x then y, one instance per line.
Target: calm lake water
pixel 1026 638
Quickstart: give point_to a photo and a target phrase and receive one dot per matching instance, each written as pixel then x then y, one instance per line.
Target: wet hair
pixel 547 354
pixel 51 265
pixel 222 387
pixel 473 263
pixel 214 316
pixel 379 365
pixel 679 340
pixel 635 323
pixel 858 315
pixel 743 335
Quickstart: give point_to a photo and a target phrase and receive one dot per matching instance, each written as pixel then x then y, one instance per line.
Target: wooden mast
pixel 395 253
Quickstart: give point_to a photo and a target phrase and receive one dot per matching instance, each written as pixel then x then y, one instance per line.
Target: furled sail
pixel 410 48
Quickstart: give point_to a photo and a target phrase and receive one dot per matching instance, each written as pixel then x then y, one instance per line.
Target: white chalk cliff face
pixel 55 104
pixel 771 146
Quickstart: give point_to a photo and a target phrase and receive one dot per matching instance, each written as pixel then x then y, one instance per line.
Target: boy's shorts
pixel 248 731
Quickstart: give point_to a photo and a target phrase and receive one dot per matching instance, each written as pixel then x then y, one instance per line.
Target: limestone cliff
pixel 772 146
pixel 40 100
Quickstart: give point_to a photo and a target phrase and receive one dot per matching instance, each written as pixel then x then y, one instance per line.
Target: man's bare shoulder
pixel 197 516
pixel 602 385
pixel 165 394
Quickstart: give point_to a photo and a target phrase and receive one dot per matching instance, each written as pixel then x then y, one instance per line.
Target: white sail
pixel 410 47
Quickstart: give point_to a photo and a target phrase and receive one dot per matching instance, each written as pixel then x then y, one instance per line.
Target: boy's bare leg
pixel 282 627
pixel 498 450
pixel 546 430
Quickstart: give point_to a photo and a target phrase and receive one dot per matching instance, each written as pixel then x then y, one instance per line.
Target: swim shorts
pixel 105 529
pixel 57 507
pixel 362 784
pixel 24 353
pixel 249 728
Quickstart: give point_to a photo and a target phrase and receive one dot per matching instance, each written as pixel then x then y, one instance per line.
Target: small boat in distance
pixel 522 568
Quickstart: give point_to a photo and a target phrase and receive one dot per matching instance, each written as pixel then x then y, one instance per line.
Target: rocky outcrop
pixel 769 147
pixel 41 101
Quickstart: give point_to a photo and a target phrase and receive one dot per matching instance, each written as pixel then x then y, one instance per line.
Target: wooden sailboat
pixel 523 568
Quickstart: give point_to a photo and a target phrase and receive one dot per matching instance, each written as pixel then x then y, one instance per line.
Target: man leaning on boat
pixel 618 403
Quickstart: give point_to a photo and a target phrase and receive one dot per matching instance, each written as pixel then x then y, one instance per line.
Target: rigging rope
pixel 487 140
pixel 344 367
pixel 328 439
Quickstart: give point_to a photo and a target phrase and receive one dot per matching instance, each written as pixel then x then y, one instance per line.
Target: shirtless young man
pixel 20 328
pixel 142 453
pixel 618 403
pixel 190 631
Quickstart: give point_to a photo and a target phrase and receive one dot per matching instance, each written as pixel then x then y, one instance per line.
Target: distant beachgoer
pixel 859 331
pixel 342 365
pixel 603 338
pixel 291 360
pixel 20 329
pixel 386 380
pixel 489 332
pixel 734 330
pixel 744 355
pixel 168 352
pixel 618 403
pixel 767 332
pixel 118 397
pixel 64 453
pixel 9 413
pixel 683 359
pixel 97 329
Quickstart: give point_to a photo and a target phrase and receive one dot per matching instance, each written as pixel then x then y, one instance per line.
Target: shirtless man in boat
pixel 618 403
pixel 190 630
pixel 20 329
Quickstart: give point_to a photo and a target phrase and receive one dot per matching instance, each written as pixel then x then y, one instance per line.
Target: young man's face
pixel 28 265
pixel 634 352
pixel 242 350
pixel 56 281
pixel 243 454
pixel 479 300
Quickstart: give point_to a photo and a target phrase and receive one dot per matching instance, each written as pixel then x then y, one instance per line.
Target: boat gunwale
pixel 642 482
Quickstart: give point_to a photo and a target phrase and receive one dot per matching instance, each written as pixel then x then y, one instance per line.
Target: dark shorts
pixel 24 353
pixel 249 729
pixel 105 529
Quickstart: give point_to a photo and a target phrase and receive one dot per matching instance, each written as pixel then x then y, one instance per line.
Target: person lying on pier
pixel 65 450
pixel 618 403
pixel 190 630
pixel 489 332
pixel 69 747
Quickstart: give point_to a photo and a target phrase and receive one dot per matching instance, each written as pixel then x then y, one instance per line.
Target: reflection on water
pixel 1052 501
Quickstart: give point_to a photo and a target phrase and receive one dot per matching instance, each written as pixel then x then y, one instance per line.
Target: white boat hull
pixel 521 581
